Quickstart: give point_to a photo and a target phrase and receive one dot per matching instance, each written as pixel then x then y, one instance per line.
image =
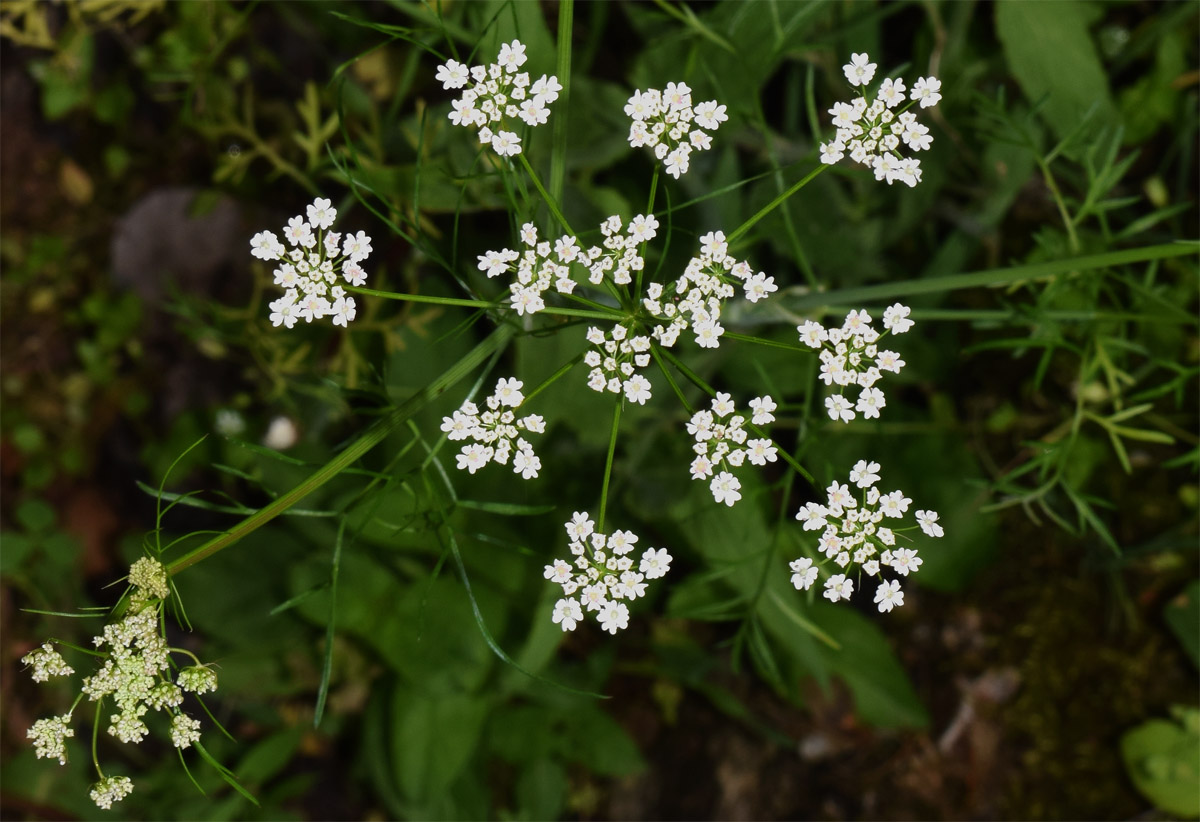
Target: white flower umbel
pixel 873 131
pixel 310 272
pixel 46 662
pixel 856 531
pixel 134 675
pixel 498 99
pixel 603 575
pixel 48 737
pixel 111 789
pixel 495 433
pixel 614 361
pixel 851 359
pixel 722 445
pixel 666 122
pixel 695 299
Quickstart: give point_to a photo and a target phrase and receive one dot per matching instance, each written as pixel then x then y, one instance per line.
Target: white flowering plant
pixel 548 309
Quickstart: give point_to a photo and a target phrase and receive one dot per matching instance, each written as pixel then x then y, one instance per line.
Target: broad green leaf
pixel 433 738
pixel 1163 760
pixel 1182 615
pixel 1051 54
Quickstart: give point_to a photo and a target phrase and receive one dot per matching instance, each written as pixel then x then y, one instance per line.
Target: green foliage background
pixel 1048 410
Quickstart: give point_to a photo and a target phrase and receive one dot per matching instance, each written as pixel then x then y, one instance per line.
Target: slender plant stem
pixel 608 462
pixel 558 153
pixel 774 204
pixel 366 441
pixel 730 335
pixel 550 201
pixel 546 383
pixel 649 210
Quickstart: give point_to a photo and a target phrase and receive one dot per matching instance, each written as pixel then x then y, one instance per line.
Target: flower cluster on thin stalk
pixel 723 443
pixel 498 96
pixel 695 299
pixel 135 674
pixel 312 270
pixel 858 535
pixel 851 358
pixel 666 122
pixel 496 431
pixel 872 131
pixel 603 575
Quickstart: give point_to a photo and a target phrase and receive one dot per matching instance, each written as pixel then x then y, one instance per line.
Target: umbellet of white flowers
pixel 134 674
pixel 850 356
pixel 614 360
pixel 496 96
pixel 872 132
pixel 496 431
pixel 602 577
pixel 310 271
pixel 666 122
pixel 695 299
pixel 855 534
pixel 722 443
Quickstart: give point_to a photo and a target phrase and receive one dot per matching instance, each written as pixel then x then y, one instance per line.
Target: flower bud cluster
pixel 49 737
pixel 134 675
pixel 695 299
pixel 496 432
pixel 602 576
pixel 613 362
pixel 855 534
pixel 311 270
pixel 667 122
pixel 850 356
pixel 498 95
pixel 111 789
pixel 46 662
pixel 873 133
pixel 722 443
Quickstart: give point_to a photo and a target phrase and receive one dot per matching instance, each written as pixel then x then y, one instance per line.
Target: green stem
pixel 550 201
pixel 774 204
pixel 368 440
pixel 730 335
pixel 558 153
pixel 96 737
pixel 649 210
pixel 546 383
pixel 608 463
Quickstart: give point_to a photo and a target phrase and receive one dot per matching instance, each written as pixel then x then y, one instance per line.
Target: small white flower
pixel 321 213
pixel 726 488
pixel 452 74
pixel 506 144
pixel 859 70
pixel 567 613
pixel 888 596
pixel 864 474
pixel 804 573
pixel 927 90
pixel 838 587
pixel 655 563
pixel 614 616
pixel 929 523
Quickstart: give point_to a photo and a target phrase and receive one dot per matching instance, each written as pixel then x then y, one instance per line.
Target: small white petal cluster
pixel 695 299
pixel 496 432
pixel 872 132
pixel 497 96
pixel 197 679
pixel 46 662
pixel 666 122
pixel 150 578
pixel 48 737
pixel 602 576
pixel 310 271
pixel 614 360
pixel 541 266
pixel 722 443
pixel 111 789
pixel 850 357
pixel 184 731
pixel 854 534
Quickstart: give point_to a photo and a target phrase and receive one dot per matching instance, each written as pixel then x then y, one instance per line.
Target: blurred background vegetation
pixel 1045 662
